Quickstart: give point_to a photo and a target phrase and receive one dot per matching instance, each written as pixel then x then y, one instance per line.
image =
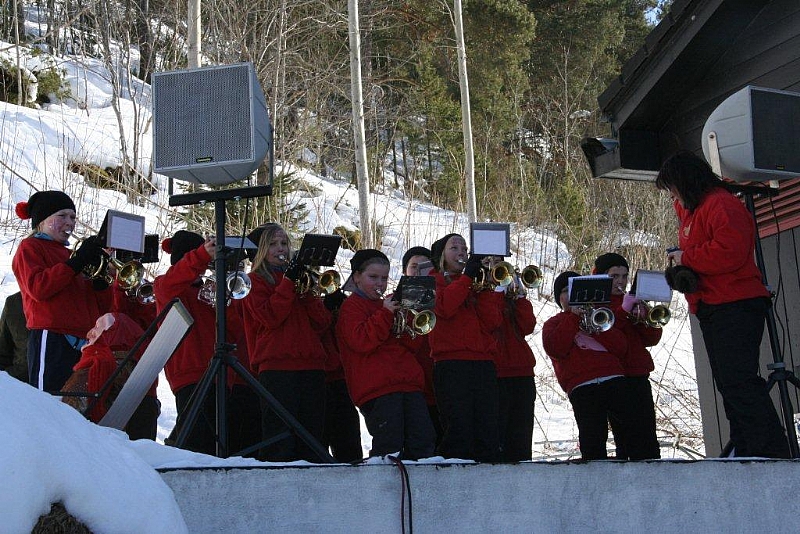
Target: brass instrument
pixel 414 322
pixel 142 293
pixel 653 316
pixel 531 276
pixel 500 274
pixel 318 284
pixel 596 320
pixel 129 274
pixel 237 286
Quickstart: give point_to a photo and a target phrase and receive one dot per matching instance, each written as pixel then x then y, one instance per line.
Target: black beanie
pixel 43 204
pixel 414 251
pixel 611 259
pixel 560 283
pixel 182 242
pixel 255 237
pixel 437 249
pixel 361 257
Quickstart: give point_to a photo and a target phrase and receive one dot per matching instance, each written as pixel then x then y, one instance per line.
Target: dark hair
pixel 690 175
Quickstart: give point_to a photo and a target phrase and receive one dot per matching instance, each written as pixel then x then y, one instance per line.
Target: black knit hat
pixel 360 258
pixel 560 283
pixel 611 259
pixel 414 251
pixel 182 242
pixel 43 204
pixel 437 249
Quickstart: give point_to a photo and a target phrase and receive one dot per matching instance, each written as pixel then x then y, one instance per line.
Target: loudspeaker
pixel 758 134
pixel 210 125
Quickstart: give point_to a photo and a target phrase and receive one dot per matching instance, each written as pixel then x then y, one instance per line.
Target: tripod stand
pixel 779 375
pixel 223 358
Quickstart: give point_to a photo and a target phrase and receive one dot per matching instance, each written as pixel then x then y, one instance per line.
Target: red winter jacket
pixel 283 328
pixel 423 357
pixel 515 357
pixel 191 359
pixel 54 297
pixel 333 361
pixel 638 361
pixel 718 242
pixel 465 321
pixel 574 365
pixel 376 362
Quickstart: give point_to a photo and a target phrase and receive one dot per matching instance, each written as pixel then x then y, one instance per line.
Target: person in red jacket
pixel 588 367
pixel 384 378
pixel 60 303
pixel 284 331
pixel 515 382
pixel 716 239
pixel 642 443
pixel 190 255
pixel 412 260
pixel 463 348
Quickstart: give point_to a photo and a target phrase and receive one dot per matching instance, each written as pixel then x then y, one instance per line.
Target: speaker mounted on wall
pixel 210 124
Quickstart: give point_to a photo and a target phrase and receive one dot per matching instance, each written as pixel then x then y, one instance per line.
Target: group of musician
pixel 456 380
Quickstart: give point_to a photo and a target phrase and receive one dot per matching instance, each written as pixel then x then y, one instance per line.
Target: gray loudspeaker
pixel 210 125
pixel 757 131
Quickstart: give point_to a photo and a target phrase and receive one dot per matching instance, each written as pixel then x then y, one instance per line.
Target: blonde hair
pixel 261 266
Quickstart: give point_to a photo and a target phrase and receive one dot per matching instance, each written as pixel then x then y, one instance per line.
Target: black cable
pixel 405 490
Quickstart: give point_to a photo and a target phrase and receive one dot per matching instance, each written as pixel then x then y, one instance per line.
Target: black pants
pixel 466 394
pixel 143 424
pixel 641 442
pixel 302 393
pixel 51 360
pixel 203 435
pixel 591 404
pixel 342 427
pixel 732 335
pixel 244 420
pixel 517 397
pixel 399 423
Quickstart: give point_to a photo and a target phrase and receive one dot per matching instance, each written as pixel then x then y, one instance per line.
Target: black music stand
pixel 780 375
pixel 222 349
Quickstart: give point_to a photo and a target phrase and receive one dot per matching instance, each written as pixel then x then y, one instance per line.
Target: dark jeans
pixel 54 363
pixel 732 335
pixel 467 398
pixel 399 423
pixel 591 404
pixel 342 426
pixel 302 393
pixel 641 442
pixel 517 397
pixel 203 435
pixel 143 424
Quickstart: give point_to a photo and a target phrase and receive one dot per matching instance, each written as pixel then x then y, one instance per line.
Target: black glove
pixel 473 266
pixel 293 270
pixel 99 284
pixel 334 301
pixel 89 253
pixel 681 278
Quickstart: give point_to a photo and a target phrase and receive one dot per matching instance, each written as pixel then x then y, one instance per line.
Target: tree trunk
pixel 194 31
pixel 466 117
pixel 358 125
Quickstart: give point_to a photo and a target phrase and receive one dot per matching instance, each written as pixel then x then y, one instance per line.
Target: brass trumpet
pixel 237 286
pixel 531 276
pixel 596 320
pixel 500 274
pixel 143 293
pixel 318 284
pixel 653 316
pixel 129 274
pixel 414 322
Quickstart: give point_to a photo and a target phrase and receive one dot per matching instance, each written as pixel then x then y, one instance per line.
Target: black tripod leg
pixel 196 402
pixel 281 412
pixel 788 419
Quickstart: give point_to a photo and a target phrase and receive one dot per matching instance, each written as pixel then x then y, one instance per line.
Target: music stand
pixel 780 375
pixel 222 349
pixel 318 250
pixel 589 290
pixel 416 292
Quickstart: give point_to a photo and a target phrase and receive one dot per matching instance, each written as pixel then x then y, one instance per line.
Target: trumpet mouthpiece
pixel 461 261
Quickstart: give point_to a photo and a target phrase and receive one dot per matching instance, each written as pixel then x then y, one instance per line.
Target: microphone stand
pixel 223 358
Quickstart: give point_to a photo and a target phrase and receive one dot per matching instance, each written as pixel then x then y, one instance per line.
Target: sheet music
pixel 125 231
pixel 652 286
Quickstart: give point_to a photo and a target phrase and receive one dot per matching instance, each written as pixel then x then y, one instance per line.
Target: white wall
pixel 659 496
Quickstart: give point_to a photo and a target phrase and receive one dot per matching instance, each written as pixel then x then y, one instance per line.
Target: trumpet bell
pixel 329 282
pixel 596 320
pixel 422 322
pixel 658 316
pixel 531 276
pixel 238 284
pixel 129 274
pixel 145 293
pixel 502 274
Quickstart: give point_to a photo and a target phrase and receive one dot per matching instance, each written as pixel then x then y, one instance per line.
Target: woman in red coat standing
pixel 463 348
pixel 383 376
pixel 717 240
pixel 60 303
pixel 284 330
pixel 516 386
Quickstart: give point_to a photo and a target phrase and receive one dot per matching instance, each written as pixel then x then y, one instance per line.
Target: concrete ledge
pixel 660 496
